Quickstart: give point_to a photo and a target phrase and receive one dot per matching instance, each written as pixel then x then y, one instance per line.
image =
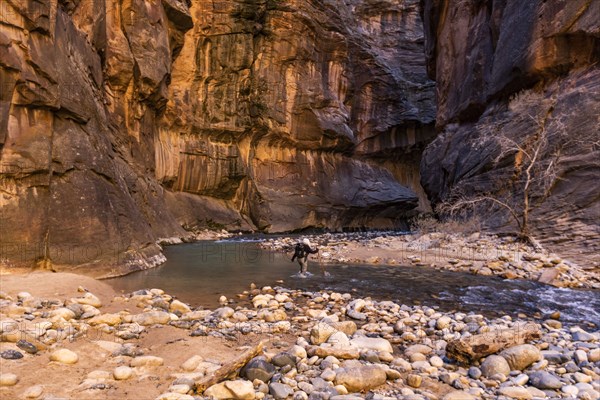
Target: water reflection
pixel 198 273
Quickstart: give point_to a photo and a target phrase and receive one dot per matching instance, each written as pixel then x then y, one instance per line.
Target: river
pixel 199 273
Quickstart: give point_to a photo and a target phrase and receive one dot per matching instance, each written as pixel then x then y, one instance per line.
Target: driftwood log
pixel 473 348
pixel 229 368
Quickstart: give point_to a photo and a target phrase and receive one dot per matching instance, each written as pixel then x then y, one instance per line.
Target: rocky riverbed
pixel 319 345
pixel 482 254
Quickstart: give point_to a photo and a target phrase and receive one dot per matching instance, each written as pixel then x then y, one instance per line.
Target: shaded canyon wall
pixel 515 70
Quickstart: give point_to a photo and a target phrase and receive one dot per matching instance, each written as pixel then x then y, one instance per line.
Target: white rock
pixel 443 322
pixel 367 343
pixel 339 339
pixel 191 363
pixel 64 356
pixel 571 390
pixel 580 356
pixel 458 395
pixel 8 379
pixel 146 361
pixel 152 318
pixel 298 351
pixel 321 332
pixel 178 306
pixel 33 392
pixel 88 299
pixel 436 361
pixel 122 373
pixel 239 389
pixel 515 392
pixel 63 313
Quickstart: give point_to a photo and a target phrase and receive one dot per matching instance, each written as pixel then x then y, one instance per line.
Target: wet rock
pixel 64 356
pixel 258 368
pixel 522 356
pixel 357 379
pixel 544 380
pixel 494 365
pixel 280 391
pixel 11 355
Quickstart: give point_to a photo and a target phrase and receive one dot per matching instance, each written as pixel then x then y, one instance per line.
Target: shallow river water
pixel 199 273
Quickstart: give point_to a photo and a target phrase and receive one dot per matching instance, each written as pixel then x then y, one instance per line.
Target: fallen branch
pixel 230 368
pixel 473 348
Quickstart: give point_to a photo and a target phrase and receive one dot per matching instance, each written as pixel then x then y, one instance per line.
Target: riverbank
pixel 480 254
pixel 91 343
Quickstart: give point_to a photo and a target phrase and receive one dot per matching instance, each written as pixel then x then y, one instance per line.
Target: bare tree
pixel 536 170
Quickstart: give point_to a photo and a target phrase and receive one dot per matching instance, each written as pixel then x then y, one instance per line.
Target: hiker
pixel 301 252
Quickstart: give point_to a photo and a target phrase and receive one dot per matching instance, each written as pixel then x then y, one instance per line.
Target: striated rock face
pixel 514 70
pixel 125 121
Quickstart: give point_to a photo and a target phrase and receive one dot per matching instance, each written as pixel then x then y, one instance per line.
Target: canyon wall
pixel 518 72
pixel 123 121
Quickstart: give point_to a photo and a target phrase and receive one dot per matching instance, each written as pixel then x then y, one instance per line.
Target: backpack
pixel 299 250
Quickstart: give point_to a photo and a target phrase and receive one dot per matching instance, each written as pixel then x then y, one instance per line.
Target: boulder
pixel 522 356
pixel 493 365
pixel 258 368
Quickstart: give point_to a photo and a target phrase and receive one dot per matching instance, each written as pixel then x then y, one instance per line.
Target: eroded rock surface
pixel 124 122
pixel 514 70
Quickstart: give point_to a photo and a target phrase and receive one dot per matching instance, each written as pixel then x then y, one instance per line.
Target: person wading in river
pixel 301 252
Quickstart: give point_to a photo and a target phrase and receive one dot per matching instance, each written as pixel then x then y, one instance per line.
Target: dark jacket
pixel 303 250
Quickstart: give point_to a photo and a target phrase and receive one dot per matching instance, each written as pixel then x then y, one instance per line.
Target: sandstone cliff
pixel 122 121
pixel 501 67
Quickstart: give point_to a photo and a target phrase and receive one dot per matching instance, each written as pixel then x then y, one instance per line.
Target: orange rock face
pixel 122 122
